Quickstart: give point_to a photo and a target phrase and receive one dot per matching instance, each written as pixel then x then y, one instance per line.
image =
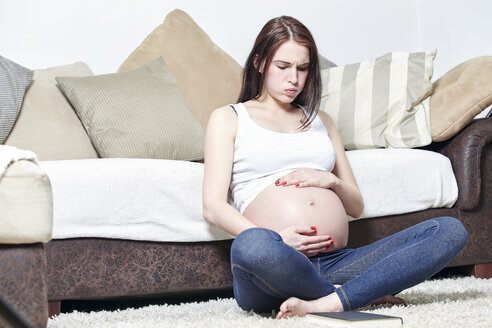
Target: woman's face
pixel 287 72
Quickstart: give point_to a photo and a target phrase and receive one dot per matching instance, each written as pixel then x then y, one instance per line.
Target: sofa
pixel 77 156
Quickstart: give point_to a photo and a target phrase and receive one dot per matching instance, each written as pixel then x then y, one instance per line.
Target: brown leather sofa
pixel 95 268
pixel 98 268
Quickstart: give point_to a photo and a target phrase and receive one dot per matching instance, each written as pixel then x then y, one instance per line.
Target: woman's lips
pixel 291 91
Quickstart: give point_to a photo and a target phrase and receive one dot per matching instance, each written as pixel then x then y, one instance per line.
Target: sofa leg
pixel 54 308
pixel 482 270
pixel 23 284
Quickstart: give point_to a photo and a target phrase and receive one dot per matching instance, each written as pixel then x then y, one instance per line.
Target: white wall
pixel 102 33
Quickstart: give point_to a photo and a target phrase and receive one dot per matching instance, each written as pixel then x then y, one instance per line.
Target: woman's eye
pixel 302 69
pixel 281 67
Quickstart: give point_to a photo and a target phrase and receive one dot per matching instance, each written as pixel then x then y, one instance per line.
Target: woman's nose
pixel 293 75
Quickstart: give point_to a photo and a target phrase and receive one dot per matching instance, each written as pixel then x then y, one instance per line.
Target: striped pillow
pixel 381 103
pixel 138 113
pixel 14 81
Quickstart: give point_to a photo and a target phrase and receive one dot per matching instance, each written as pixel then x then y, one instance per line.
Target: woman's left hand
pixel 306 177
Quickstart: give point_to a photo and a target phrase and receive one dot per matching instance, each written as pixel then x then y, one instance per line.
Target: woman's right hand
pixel 305 240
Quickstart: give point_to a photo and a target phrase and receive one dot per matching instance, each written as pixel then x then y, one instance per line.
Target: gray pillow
pixel 138 113
pixel 14 80
pixel 325 63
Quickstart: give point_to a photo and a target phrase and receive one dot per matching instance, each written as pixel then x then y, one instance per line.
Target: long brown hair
pixel 271 37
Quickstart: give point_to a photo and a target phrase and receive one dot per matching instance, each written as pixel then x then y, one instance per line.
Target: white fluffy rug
pixel 451 302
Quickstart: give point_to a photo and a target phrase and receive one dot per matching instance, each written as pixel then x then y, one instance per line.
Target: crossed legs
pixel 270 275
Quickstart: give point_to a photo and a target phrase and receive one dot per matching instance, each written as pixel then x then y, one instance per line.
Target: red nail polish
pixel 327 246
pixel 284 183
pixel 313 228
pixel 297 185
pixel 277 182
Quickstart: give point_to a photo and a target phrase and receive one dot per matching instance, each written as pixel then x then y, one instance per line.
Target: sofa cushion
pixel 397 181
pixel 161 200
pixel 14 80
pixel 139 113
pixel 379 103
pixel 459 95
pixel 25 204
pixel 47 124
pixel 129 198
pixel 207 76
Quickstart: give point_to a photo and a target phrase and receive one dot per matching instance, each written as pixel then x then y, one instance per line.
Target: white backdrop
pixel 102 33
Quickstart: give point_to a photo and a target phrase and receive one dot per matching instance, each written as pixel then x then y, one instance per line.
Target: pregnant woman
pixel 277 178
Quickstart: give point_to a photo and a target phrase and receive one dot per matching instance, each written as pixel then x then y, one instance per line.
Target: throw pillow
pixel 459 95
pixel 47 123
pixel 325 62
pixel 207 76
pixel 381 102
pixel 14 80
pixel 139 113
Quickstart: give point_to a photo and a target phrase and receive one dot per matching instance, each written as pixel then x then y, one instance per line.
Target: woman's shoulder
pixel 326 119
pixel 224 117
pixel 225 112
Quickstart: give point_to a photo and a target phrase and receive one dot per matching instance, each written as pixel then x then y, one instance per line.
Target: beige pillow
pixel 47 124
pixel 459 95
pixel 381 102
pixel 139 113
pixel 207 76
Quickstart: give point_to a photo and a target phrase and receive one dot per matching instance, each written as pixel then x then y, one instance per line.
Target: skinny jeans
pixel 266 271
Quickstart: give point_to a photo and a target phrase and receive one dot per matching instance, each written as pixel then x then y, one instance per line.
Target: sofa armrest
pixel 466 152
pixel 26 209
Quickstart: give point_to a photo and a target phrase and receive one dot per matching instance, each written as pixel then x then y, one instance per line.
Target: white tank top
pixel 261 156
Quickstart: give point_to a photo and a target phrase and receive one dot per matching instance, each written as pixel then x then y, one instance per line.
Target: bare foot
pixel 295 306
pixel 389 299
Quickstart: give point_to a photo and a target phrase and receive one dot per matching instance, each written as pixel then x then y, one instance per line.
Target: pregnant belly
pixel 278 207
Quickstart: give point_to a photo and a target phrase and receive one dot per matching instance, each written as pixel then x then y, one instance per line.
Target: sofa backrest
pixel 47 123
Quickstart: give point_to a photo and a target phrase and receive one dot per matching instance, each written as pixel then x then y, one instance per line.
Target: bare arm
pixel 219 156
pixel 345 186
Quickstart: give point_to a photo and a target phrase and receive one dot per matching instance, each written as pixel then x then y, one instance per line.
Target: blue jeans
pixel 267 271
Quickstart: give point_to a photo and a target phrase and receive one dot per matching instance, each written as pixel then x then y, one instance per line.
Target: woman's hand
pixel 304 240
pixel 306 177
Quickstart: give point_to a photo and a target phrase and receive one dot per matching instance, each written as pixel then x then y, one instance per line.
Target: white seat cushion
pixel 137 199
pixel 397 181
pixel 161 200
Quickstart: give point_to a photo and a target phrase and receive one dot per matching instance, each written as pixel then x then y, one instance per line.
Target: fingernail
pixel 327 246
pixel 277 182
pixel 284 183
pixel 297 185
pixel 313 228
pixel 331 242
